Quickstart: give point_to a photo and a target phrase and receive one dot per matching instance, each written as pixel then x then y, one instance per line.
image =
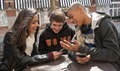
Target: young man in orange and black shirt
pixel 54 32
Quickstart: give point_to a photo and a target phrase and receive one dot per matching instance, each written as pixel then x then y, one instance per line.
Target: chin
pixel 56 32
pixel 33 32
pixel 79 24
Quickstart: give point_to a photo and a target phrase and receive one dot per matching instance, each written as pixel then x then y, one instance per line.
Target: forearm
pixel 101 54
pixel 37 59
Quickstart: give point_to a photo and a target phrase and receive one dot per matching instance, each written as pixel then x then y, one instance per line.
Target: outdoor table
pixel 65 64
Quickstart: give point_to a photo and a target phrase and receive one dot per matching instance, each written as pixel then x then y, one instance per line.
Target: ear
pixel 80 9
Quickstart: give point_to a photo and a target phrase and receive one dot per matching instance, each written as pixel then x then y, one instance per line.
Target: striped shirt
pixel 89 38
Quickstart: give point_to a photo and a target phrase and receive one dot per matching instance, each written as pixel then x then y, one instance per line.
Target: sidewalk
pixel 3 30
pixel 117 24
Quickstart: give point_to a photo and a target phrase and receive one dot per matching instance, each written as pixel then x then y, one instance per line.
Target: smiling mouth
pixel 35 28
pixel 56 30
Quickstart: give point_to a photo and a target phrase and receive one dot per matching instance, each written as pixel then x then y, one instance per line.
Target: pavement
pixel 2 33
pixel 4 30
pixel 117 24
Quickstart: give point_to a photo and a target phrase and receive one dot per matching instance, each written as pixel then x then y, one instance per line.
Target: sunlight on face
pixel 75 17
pixel 56 26
pixel 33 24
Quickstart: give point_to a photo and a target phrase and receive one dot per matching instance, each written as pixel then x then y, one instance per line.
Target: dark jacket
pixel 50 41
pixel 14 59
pixel 106 41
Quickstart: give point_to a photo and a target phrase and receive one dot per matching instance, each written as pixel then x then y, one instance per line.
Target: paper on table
pixel 95 68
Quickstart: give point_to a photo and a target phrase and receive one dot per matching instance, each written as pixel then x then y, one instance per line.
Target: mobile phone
pixel 81 55
pixel 74 38
pixel 61 50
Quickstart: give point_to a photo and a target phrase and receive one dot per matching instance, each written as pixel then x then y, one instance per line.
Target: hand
pixel 56 54
pixel 83 60
pixel 71 47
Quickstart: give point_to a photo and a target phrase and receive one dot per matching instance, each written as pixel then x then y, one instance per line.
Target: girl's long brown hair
pixel 21 28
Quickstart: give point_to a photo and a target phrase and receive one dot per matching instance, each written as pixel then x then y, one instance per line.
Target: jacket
pixel 49 41
pixel 15 60
pixel 106 40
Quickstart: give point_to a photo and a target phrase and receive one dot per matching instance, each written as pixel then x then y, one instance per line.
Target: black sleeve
pixel 72 33
pixel 72 55
pixel 42 45
pixel 106 40
pixel 14 58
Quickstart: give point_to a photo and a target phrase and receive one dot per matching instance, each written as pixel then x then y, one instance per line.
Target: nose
pixel 57 27
pixel 37 24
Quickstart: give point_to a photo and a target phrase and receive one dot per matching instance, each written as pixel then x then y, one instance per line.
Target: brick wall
pixel 9 6
pixel 11 12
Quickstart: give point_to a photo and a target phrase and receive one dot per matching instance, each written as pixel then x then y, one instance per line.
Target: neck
pixel 88 19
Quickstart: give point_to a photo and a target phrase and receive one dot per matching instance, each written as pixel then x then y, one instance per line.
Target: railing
pixel 66 3
pixel 22 4
pixel 1 4
pixel 102 2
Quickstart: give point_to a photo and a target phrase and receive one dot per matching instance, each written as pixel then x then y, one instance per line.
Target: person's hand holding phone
pixel 81 55
pixel 56 54
pixel 82 58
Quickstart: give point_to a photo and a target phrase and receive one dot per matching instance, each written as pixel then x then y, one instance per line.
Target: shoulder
pixel 107 27
pixel 9 33
pixel 71 29
pixel 106 23
pixel 43 32
pixel 68 26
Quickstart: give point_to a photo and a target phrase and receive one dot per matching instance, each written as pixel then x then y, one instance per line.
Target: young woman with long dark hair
pixel 20 50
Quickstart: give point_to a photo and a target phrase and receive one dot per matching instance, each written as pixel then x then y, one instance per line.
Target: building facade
pixel 10 8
